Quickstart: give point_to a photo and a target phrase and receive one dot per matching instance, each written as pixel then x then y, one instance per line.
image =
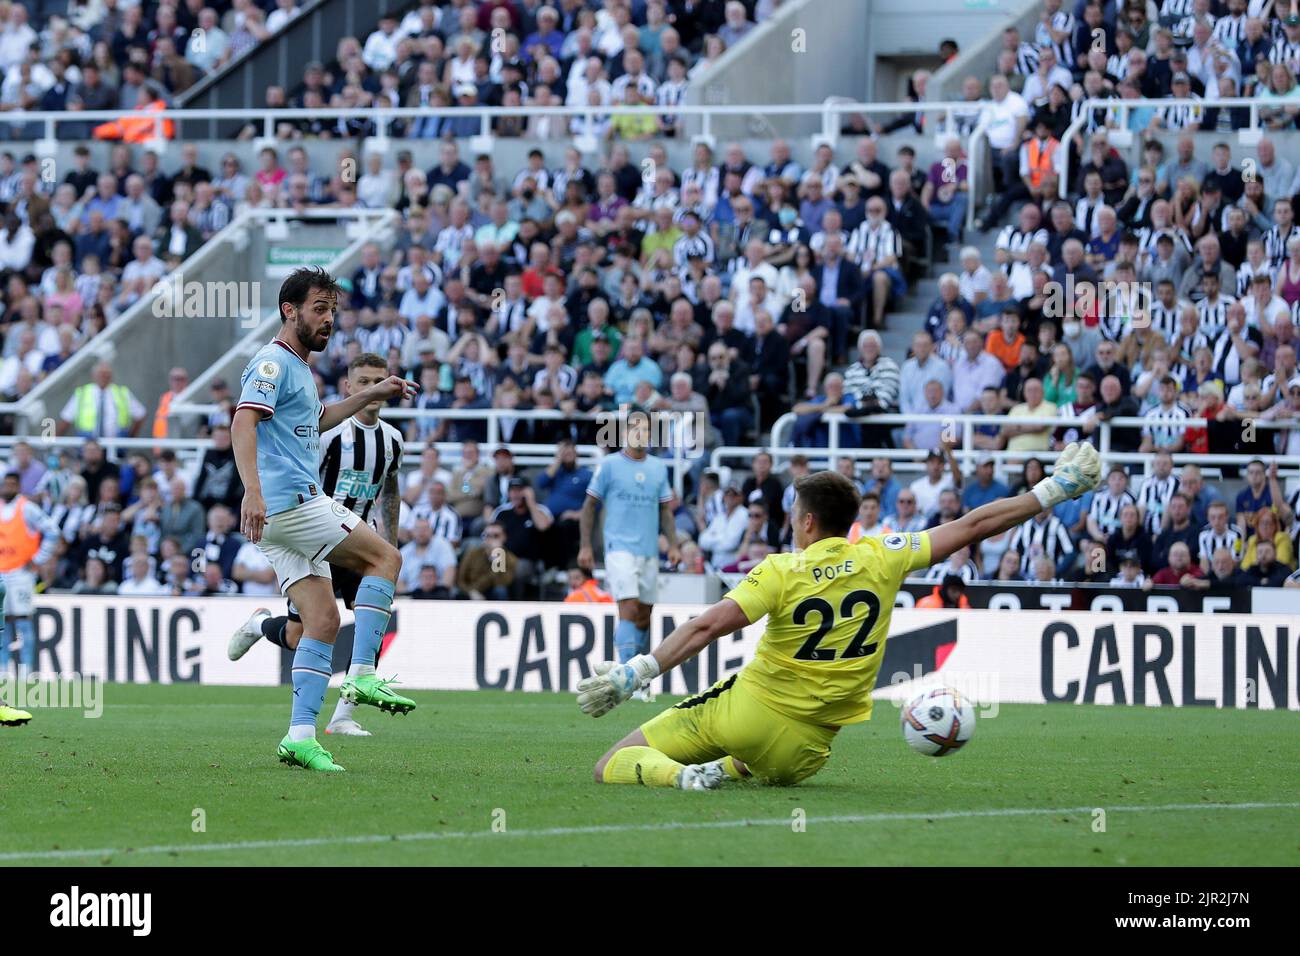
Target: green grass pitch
pixel 500 778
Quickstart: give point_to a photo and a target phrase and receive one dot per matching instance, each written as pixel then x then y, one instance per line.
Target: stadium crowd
pixel 732 290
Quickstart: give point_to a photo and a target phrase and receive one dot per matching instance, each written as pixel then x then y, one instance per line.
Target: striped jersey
pixel 968 572
pixel 1247 271
pixel 1034 538
pixel 867 245
pixel 1214 315
pixel 1061 22
pixel 1284 51
pixel 444 521
pixel 1105 508
pixel 1026 59
pixel 1017 242
pixel 356 461
pixel 1230 30
pixel 1275 241
pixel 1183 113
pixel 1153 498
pixel 1165 425
pixel 1210 541
pixel 1165 319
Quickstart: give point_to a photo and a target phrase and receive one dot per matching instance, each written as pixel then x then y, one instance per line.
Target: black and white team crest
pixel 76 909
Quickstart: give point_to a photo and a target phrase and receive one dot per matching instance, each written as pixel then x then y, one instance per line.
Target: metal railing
pixel 680 458
pixel 383 118
pixel 1122 108
pixel 966 452
pixel 32 407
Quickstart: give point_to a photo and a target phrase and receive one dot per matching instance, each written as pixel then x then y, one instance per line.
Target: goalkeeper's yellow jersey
pixel 828 610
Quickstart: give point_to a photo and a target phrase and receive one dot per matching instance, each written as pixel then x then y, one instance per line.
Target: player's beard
pixel 313 340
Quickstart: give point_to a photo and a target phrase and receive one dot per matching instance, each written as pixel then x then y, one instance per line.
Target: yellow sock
pixel 642 765
pixel 729 765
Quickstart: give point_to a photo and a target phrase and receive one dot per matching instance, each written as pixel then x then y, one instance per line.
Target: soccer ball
pixel 938 722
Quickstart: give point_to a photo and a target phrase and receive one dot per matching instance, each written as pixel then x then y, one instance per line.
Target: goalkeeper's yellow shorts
pixel 728 720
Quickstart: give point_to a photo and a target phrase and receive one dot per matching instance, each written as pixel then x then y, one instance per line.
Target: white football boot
pixel 346 727
pixel 249 633
pixel 342 723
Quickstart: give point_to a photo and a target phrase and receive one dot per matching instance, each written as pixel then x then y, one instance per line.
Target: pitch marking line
pixel 628 828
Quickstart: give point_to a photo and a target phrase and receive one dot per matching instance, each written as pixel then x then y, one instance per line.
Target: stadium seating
pixel 1053 244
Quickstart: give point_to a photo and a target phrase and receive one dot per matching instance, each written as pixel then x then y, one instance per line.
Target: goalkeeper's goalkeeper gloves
pixel 614 683
pixel 1077 472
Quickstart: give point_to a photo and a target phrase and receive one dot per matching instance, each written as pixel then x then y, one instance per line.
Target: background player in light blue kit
pixel 632 486
pixel 276 435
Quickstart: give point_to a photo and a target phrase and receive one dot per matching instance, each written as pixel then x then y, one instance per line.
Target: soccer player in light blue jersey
pixel 632 488
pixel 276 436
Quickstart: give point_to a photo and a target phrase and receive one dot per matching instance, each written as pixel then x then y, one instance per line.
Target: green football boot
pixel 373 690
pixel 308 754
pixel 12 716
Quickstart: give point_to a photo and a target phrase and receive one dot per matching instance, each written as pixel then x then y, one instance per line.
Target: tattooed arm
pixel 390 499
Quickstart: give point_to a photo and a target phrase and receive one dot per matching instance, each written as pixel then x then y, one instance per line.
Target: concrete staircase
pixel 910 316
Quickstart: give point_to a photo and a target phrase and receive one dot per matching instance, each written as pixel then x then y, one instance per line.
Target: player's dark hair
pixel 368 360
pixel 831 499
pixel 301 283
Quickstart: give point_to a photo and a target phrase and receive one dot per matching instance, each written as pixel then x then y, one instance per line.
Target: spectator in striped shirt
pixel 440 516
pixel 1165 431
pixel 1104 514
pixel 1219 535
pixel 1042 538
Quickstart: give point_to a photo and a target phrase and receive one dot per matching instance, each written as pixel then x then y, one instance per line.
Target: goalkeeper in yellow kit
pixel 828 607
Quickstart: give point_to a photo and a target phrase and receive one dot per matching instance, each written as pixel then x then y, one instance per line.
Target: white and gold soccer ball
pixel 938 722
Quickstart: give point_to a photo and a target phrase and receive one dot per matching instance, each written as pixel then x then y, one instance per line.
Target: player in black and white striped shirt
pixel 1156 490
pixel 1043 534
pixel 1103 513
pixel 359 465
pixel 1219 533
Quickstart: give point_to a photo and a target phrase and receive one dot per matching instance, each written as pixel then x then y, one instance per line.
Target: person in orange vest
pixel 177 381
pixel 585 590
pixel 28 537
pixel 138 129
pixel 949 595
pixel 1037 173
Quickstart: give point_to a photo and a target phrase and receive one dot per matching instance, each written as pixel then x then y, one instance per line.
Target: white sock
pixel 302 732
pixel 343 710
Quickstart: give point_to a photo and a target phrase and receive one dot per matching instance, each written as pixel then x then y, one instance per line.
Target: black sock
pixel 273 630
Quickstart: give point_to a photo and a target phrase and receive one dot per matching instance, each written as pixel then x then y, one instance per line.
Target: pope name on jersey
pixel 845 594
